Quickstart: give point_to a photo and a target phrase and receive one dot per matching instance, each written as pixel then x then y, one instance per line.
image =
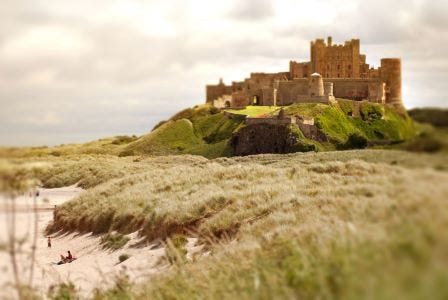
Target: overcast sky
pixel 73 71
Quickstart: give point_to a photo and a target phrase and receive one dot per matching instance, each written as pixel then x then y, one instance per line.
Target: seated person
pixel 69 257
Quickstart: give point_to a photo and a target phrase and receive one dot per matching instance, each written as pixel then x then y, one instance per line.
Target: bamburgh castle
pixel 335 71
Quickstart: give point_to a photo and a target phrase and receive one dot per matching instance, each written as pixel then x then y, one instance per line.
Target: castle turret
pixel 328 89
pixel 315 85
pixel 391 76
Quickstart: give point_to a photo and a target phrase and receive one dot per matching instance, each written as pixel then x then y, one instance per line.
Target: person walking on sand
pixel 49 242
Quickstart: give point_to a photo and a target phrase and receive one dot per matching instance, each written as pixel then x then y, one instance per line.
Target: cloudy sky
pixel 73 71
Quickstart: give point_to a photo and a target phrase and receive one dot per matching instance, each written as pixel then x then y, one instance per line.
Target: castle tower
pixel 391 75
pixel 315 85
pixel 328 89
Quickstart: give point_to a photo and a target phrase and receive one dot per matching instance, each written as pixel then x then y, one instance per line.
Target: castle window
pixel 349 67
pixel 339 67
pixel 339 75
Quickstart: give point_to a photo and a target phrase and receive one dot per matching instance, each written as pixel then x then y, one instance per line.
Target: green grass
pixel 374 121
pixel 200 131
pixel 255 111
pixel 171 137
pixel 308 110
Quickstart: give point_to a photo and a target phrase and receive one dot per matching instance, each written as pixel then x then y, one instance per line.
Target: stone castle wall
pixel 358 89
pixel 342 65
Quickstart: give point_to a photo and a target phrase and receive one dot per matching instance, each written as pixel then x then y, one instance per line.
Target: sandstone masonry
pixel 335 71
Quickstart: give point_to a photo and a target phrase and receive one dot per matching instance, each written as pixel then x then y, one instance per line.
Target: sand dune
pixel 94 267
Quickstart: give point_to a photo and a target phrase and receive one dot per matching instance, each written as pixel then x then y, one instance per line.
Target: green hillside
pixel 207 131
pixel 202 130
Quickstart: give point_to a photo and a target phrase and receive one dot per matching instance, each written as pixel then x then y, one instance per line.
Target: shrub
pixel 56 153
pixel 159 124
pixel 123 257
pixel 214 110
pixel 127 152
pixel 435 116
pixel 114 241
pixel 63 291
pixel 355 141
pixel 371 111
pixel 123 139
pixel 425 143
pixel 302 146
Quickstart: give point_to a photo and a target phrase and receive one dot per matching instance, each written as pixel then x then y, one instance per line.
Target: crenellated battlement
pixel 343 65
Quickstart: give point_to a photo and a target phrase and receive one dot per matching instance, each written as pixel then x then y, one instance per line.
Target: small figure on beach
pixel 66 259
pixel 49 242
pixel 37 193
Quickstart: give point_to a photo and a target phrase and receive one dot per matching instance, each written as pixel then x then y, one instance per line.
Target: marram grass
pixel 337 225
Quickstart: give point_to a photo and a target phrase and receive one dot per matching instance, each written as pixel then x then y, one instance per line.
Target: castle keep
pixel 335 71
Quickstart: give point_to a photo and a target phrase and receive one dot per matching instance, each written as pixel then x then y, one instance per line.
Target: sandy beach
pixel 94 267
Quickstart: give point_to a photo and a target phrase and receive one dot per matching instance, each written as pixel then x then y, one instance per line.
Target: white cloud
pixel 110 67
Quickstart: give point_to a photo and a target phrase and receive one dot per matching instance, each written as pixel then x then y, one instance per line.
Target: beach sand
pixel 94 267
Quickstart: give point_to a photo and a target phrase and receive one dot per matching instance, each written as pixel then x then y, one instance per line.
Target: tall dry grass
pixel 336 225
pixel 295 226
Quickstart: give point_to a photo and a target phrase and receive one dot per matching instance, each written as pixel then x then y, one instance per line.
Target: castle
pixel 335 71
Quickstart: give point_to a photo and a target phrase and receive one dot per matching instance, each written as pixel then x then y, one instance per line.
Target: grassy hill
pixel 206 131
pixel 202 130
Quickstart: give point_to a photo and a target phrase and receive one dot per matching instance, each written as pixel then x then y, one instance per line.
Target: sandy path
pixel 94 267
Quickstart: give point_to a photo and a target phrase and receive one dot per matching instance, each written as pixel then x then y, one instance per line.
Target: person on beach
pixel 49 242
pixel 62 261
pixel 69 256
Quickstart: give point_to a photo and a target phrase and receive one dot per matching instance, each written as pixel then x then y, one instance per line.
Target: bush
pixel 355 141
pixel 63 291
pixel 114 241
pixel 371 112
pixel 126 153
pixel 158 125
pixel 435 116
pixel 123 139
pixel 302 146
pixel 214 110
pixel 425 143
pixel 123 257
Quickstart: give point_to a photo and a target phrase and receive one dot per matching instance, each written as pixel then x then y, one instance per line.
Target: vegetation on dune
pixel 106 146
pixel 434 116
pixel 114 241
pixel 346 225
